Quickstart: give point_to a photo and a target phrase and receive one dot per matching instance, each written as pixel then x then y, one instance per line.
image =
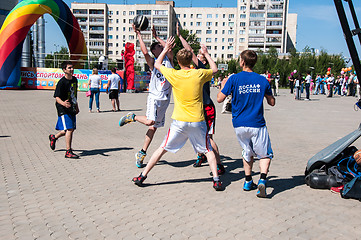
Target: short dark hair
pixel 249 57
pixel 152 47
pixel 114 70
pixel 65 64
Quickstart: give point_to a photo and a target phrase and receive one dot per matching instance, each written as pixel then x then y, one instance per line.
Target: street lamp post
pixel 56 51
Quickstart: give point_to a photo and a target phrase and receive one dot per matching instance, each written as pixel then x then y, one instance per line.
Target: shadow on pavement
pixel 283 184
pixel 97 151
pixel 121 110
pixel 179 164
pixel 5 136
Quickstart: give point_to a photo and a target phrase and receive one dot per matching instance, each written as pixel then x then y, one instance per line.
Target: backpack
pixel 352 189
pixel 349 168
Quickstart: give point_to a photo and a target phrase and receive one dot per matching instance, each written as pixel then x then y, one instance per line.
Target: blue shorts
pixel 66 122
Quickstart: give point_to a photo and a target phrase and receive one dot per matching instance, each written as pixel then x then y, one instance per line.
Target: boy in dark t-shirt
pixel 67 107
pixel 248 90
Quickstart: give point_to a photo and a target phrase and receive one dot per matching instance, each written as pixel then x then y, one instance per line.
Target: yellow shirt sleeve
pixel 206 75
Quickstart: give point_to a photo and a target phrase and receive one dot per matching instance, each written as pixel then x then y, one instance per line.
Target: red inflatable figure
pixel 129 65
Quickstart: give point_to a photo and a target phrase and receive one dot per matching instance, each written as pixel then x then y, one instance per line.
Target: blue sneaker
pixel 127 119
pixel 248 186
pixel 261 193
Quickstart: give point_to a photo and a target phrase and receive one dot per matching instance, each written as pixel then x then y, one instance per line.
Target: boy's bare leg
pixel 248 166
pixel 211 157
pixel 153 160
pixel 264 165
pixel 68 138
pixel 149 137
pixel 144 120
pixel 60 134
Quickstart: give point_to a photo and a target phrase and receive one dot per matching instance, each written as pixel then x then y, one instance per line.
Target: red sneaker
pixel 52 141
pixel 69 154
pixel 337 189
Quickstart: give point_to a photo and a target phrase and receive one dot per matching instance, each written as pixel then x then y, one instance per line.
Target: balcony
pixel 96 48
pixel 96 31
pixel 79 15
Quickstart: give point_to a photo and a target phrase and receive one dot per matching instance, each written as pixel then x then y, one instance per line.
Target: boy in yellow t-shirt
pixel 188 118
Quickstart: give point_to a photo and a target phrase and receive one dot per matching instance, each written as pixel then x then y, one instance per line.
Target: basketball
pixel 141 22
pixel 357 157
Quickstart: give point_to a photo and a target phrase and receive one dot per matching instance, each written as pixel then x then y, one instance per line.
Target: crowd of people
pixel 345 84
pixel 194 111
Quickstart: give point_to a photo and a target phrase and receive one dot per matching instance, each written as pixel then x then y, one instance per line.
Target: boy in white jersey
pixel 188 116
pixel 158 98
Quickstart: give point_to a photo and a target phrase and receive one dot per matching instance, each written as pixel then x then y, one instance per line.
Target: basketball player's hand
pixel 67 104
pixel 169 44
pixel 135 30
pixel 154 32
pixel 203 49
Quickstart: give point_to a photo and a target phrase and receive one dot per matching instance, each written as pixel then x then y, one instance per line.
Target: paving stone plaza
pixel 45 196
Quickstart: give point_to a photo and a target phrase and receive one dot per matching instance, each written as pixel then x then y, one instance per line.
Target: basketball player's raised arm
pixel 187 46
pixel 212 64
pixel 168 47
pixel 170 54
pixel 143 48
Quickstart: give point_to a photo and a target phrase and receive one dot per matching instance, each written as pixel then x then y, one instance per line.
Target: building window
pixel 215 55
pixel 123 29
pixel 224 15
pixel 130 21
pixel 110 44
pixel 243 8
pixel 230 39
pixel 199 39
pixel 131 37
pixel 256 31
pixel 208 24
pixel 184 15
pixel 229 55
pixel 131 13
pixel 191 31
pixel 222 47
pixel 209 15
pixel 198 24
pixel 241 32
pixel 117 29
pixel 116 44
pixel 209 32
pixel 241 40
pixel 215 47
pixel 242 24
pixel 110 12
pixel 222 39
pixel 144 12
pixel 231 32
pixel 117 20
pixel 274 15
pixel 130 29
pixel 110 52
pixel 116 37
pixel 160 12
pixel 110 20
pixel 216 24
pixel 223 31
pixel 242 16
pixel 191 23
pixel 110 36
pixel 110 28
pixel 256 15
pixel 125 20
pixel 75 11
pixel 209 47
pixel 208 40
pixel 224 24
pixel 215 40
pixel 198 31
pixel 184 24
pixel 199 15
pixel 216 31
pixel 230 47
pixel 191 15
pixel 230 15
pixel 117 12
pixel 116 52
pixel 216 15
pixel 230 24
pixel 124 13
pixel 177 15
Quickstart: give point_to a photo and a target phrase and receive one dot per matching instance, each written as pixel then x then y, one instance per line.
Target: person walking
pixel 158 97
pixel 67 107
pixel 307 86
pixel 188 117
pixel 113 88
pixel 94 87
pixel 248 91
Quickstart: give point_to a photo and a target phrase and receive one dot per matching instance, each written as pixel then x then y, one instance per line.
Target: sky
pixel 318 25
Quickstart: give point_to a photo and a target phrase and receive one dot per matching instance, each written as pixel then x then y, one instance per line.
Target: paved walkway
pixel 45 196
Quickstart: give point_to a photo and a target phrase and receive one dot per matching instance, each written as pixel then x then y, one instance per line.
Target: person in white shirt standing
pixel 159 95
pixel 114 86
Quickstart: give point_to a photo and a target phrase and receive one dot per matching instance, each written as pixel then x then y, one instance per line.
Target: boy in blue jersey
pixel 248 90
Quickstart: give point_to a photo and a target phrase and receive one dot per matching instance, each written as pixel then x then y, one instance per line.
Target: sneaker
pixel 139 180
pixel 52 141
pixel 217 185
pixel 200 159
pixel 337 189
pixel 69 154
pixel 127 119
pixel 248 186
pixel 220 169
pixel 261 193
pixel 139 157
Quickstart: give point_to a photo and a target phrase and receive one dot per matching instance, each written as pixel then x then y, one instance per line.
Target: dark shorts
pixel 113 94
pixel 210 117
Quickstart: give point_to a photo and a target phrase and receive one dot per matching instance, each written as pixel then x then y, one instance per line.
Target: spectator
pixel 94 87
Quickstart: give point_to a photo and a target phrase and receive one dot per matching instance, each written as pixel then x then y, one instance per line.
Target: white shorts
pixel 156 111
pixel 255 142
pixel 179 132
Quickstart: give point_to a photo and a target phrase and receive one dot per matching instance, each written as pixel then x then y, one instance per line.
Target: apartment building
pixel 253 24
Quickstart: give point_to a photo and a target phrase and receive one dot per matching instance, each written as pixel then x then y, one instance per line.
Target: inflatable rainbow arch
pixel 18 23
